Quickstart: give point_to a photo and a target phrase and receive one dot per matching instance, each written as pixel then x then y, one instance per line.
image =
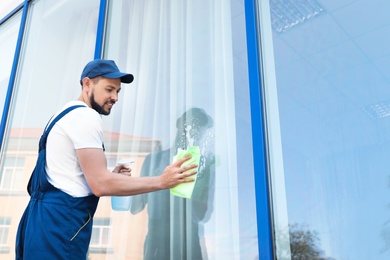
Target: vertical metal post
pixel 259 137
pixel 100 30
pixel 15 64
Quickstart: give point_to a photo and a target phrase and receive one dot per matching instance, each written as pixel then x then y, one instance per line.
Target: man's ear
pixel 86 83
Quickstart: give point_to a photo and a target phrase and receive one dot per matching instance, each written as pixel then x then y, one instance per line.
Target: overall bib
pixel 54 225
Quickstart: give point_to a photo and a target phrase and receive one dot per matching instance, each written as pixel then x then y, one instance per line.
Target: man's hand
pixel 176 173
pixel 122 168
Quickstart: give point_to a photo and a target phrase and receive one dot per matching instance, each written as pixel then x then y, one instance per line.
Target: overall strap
pixel 42 141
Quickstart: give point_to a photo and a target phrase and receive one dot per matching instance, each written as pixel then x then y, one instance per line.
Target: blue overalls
pixel 54 225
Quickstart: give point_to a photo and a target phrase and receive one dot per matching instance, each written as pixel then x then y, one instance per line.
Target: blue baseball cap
pixel 106 69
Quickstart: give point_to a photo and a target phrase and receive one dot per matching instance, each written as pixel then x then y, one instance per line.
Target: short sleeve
pixel 84 128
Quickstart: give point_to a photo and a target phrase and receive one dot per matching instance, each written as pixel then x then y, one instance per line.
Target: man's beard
pixel 98 108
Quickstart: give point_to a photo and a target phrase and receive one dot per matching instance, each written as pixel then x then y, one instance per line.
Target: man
pixel 57 223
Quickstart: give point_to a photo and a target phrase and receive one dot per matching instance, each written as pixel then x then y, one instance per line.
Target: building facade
pixel 289 102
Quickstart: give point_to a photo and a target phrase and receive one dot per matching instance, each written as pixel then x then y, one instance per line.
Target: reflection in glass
pixel 8 37
pixel 11 177
pixel 189 60
pixel 327 95
pixel 173 231
pixel 59 39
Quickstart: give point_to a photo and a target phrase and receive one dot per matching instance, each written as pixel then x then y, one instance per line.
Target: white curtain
pixel 181 55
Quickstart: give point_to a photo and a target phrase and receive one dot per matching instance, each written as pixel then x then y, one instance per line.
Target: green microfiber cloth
pixel 185 190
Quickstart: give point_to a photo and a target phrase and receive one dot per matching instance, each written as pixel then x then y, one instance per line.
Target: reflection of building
pixel 108 224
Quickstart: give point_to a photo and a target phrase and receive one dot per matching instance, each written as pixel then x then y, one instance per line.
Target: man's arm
pixel 105 183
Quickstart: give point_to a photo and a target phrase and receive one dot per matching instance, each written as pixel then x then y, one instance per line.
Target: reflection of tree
pixel 385 234
pixel 304 244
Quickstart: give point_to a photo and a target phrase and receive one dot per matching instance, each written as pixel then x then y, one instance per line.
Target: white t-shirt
pixel 80 128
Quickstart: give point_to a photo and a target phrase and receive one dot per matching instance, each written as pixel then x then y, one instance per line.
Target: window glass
pixel 8 37
pixel 100 240
pixel 59 40
pixel 6 7
pixel 5 224
pixel 190 89
pixel 11 175
pixel 328 98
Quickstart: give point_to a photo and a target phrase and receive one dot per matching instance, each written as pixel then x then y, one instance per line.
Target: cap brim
pixel 125 77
